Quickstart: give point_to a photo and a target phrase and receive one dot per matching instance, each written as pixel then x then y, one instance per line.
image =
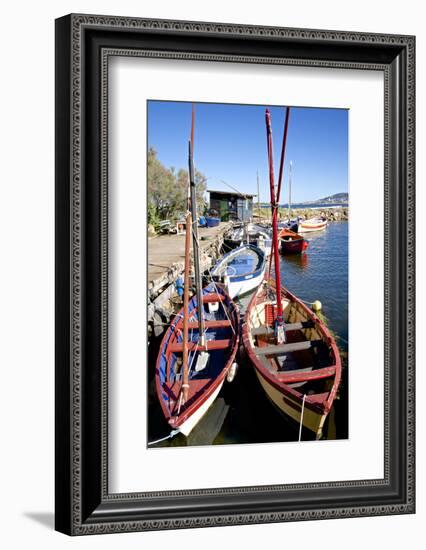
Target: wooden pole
pixel 289 191
pixel 195 241
pixel 274 207
pixel 258 195
pixel 185 379
pixel 283 148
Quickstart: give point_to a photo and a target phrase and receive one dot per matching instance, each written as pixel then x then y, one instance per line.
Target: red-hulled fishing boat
pixel 291 242
pixel 295 357
pixel 198 350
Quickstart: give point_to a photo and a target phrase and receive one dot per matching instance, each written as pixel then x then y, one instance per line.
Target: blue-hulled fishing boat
pixel 240 270
pixel 199 347
pixel 221 337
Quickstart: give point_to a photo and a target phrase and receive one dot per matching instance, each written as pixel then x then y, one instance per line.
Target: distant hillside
pixel 337 197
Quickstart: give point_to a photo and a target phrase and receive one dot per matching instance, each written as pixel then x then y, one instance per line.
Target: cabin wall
pixel 232 207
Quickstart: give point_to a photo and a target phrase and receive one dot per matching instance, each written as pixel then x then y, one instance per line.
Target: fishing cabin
pixel 232 206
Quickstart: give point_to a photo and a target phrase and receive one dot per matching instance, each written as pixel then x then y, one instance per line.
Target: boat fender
pixel 316 306
pixel 232 372
pixel 179 286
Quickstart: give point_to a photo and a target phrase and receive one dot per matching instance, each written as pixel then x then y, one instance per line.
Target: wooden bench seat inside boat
pixel 304 375
pixel 265 330
pixel 221 323
pixel 298 375
pixel 282 349
pixel 208 298
pixel 211 345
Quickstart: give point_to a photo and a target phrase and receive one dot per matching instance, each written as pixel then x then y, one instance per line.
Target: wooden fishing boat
pixel 199 347
pixel 221 321
pixel 313 224
pixel 294 355
pixel 301 376
pixel 241 270
pixel 291 242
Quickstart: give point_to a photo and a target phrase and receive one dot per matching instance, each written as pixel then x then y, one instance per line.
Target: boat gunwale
pixel 211 383
pixel 271 378
pixel 244 276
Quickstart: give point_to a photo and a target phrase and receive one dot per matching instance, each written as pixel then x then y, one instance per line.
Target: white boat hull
pixel 310 227
pixel 239 288
pixel 189 424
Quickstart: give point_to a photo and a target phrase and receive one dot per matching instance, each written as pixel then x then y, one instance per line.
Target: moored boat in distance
pixel 291 242
pixel 313 224
pixel 221 321
pixel 249 233
pixel 241 270
pixel 301 376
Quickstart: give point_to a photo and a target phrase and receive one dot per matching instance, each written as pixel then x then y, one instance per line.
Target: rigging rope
pixel 217 292
pixel 301 417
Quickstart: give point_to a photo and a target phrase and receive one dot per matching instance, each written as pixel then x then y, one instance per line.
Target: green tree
pixel 167 190
pixel 200 187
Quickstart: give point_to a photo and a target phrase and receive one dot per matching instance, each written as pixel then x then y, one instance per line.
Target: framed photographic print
pixel 234 274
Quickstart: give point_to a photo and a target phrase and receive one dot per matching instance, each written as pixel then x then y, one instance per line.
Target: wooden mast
pixel 279 323
pixel 197 270
pixel 185 379
pixel 258 194
pixel 289 191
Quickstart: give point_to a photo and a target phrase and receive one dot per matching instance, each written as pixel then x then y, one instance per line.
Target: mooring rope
pixel 301 417
pixel 171 434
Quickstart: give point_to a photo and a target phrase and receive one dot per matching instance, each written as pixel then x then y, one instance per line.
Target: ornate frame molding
pixel 84 506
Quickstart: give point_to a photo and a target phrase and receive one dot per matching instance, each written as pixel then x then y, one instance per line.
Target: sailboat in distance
pixel 198 350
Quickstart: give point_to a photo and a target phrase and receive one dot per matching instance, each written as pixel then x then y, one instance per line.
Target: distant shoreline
pixel 312 206
pixel 331 213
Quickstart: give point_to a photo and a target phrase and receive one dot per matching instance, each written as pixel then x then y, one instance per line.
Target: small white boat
pixel 313 224
pixel 241 270
pixel 250 234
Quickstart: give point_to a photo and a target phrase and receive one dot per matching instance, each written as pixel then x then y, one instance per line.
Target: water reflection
pixel 242 413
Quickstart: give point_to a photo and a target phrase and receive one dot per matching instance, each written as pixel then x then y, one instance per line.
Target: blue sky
pixel 230 145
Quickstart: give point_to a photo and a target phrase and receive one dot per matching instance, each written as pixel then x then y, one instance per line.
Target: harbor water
pixel 242 413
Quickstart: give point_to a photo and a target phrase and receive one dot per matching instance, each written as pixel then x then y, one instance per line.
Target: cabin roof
pixel 231 193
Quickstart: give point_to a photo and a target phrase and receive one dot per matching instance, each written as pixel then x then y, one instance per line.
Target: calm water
pixel 321 273
pixel 242 412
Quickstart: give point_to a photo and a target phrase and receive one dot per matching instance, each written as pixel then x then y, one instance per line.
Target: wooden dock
pixel 166 255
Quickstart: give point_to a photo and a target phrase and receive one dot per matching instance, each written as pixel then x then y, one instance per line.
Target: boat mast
pixel 188 226
pixel 279 328
pixel 289 191
pixel 195 241
pixel 258 194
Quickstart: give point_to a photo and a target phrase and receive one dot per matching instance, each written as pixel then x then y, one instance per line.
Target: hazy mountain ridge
pixel 337 198
pixel 332 199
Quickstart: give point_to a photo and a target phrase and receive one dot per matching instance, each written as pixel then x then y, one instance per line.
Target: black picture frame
pixel 83 45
